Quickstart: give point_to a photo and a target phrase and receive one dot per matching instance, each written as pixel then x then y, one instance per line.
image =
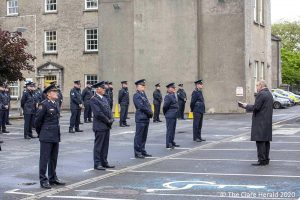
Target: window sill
pixel 50 12
pixel 50 53
pixel 91 10
pixel 90 52
pixel 12 15
pixel 256 23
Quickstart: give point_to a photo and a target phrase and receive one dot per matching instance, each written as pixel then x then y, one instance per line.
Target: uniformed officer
pixel 110 85
pixel 181 95
pixel 124 103
pixel 4 105
pixel 198 108
pixel 28 105
pixel 75 106
pixel 87 94
pixel 60 97
pixel 142 117
pixel 157 99
pixel 103 120
pixel 107 93
pixel 48 129
pixel 7 93
pixel 170 110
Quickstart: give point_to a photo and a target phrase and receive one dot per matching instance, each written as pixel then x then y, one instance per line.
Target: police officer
pixel 48 129
pixel 7 93
pixel 28 105
pixel 170 109
pixel 142 117
pixel 87 94
pixel 110 86
pixel 103 120
pixel 107 93
pixel 4 105
pixel 60 97
pixel 157 99
pixel 124 103
pixel 75 106
pixel 181 95
pixel 198 108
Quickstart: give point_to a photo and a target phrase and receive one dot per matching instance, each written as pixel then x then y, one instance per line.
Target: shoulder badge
pixel 40 106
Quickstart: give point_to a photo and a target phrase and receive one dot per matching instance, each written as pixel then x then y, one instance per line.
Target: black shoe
pixel 27 137
pixel 1 141
pixel 202 139
pixel 99 167
pixel 176 145
pixel 5 131
pixel 57 182
pixel 267 161
pixel 80 123
pixel 170 147
pixel 31 136
pixel 159 120
pixel 90 121
pixel 147 155
pixel 107 166
pixel 71 130
pixel 198 140
pixel 259 163
pixel 123 125
pixel 127 125
pixel 8 124
pixel 139 156
pixel 45 185
pixel 155 121
pixel 78 130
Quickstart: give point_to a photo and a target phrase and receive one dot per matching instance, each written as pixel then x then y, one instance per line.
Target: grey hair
pixel 262 83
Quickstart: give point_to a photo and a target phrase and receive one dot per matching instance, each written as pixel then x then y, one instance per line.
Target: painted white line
pixel 123 133
pixel 15 191
pixel 88 170
pixel 277 150
pixel 270 142
pixel 285 136
pixel 145 158
pixel 94 191
pixel 82 197
pixel 92 169
pixel 216 174
pixel 222 135
pixel 181 148
pixel 233 160
pixel 211 196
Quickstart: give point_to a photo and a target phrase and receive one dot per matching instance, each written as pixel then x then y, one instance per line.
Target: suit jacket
pixel 157 97
pixel 75 99
pixel 28 102
pixel 170 107
pixel 143 108
pixel 197 102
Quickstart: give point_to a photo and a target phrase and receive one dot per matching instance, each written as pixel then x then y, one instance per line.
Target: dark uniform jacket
pixel 157 97
pixel 60 97
pixel 4 101
pixel 28 103
pixel 143 108
pixel 197 102
pixel 38 96
pixel 262 116
pixel 170 107
pixel 75 99
pixel 107 95
pixel 103 117
pixel 181 95
pixel 87 94
pixel 124 97
pixel 47 122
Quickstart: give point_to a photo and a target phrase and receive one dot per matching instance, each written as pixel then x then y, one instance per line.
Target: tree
pixel 13 56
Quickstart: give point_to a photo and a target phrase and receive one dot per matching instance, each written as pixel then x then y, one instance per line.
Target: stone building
pixel 227 43
pixel 276 62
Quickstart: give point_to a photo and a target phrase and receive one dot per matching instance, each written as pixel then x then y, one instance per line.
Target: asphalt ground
pixel 219 168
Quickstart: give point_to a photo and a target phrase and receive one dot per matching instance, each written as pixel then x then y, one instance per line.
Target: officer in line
pixel 142 117
pixel 107 93
pixel 103 120
pixel 7 93
pixel 157 99
pixel 181 95
pixel 4 105
pixel 111 88
pixel 198 108
pixel 60 97
pixel 75 106
pixel 28 105
pixel 124 103
pixel 48 129
pixel 37 100
pixel 87 94
pixel 170 110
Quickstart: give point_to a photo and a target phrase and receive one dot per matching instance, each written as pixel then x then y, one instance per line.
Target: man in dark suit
pixel 7 93
pixel 28 105
pixel 181 95
pixel 142 117
pixel 157 99
pixel 75 106
pixel 198 108
pixel 4 105
pixel 48 129
pixel 87 94
pixel 261 130
pixel 170 109
pixel 103 120
pixel 108 94
pixel 111 93
pixel 124 103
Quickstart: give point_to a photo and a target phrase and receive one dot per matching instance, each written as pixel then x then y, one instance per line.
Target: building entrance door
pixel 48 79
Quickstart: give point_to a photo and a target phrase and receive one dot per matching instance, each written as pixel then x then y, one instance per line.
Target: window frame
pixel 86 40
pixel 15 84
pixel 50 11
pixel 256 11
pixel 262 70
pixel 261 12
pixel 90 75
pixel 45 42
pixel 255 74
pixel 92 8
pixel 8 8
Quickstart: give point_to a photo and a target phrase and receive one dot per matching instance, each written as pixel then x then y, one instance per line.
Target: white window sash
pixel 87 41
pixel 90 8
pixel 12 5
pixel 46 7
pixel 46 42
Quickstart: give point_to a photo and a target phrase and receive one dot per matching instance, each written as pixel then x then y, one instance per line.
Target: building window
pixel 91 4
pixel 12 7
pixel 92 78
pixel 256 11
pixel 50 41
pixel 50 6
pixel 14 89
pixel 262 71
pixel 262 11
pixel 91 39
pixel 255 74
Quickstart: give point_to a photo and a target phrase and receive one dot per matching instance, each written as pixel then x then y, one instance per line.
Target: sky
pixel 285 10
